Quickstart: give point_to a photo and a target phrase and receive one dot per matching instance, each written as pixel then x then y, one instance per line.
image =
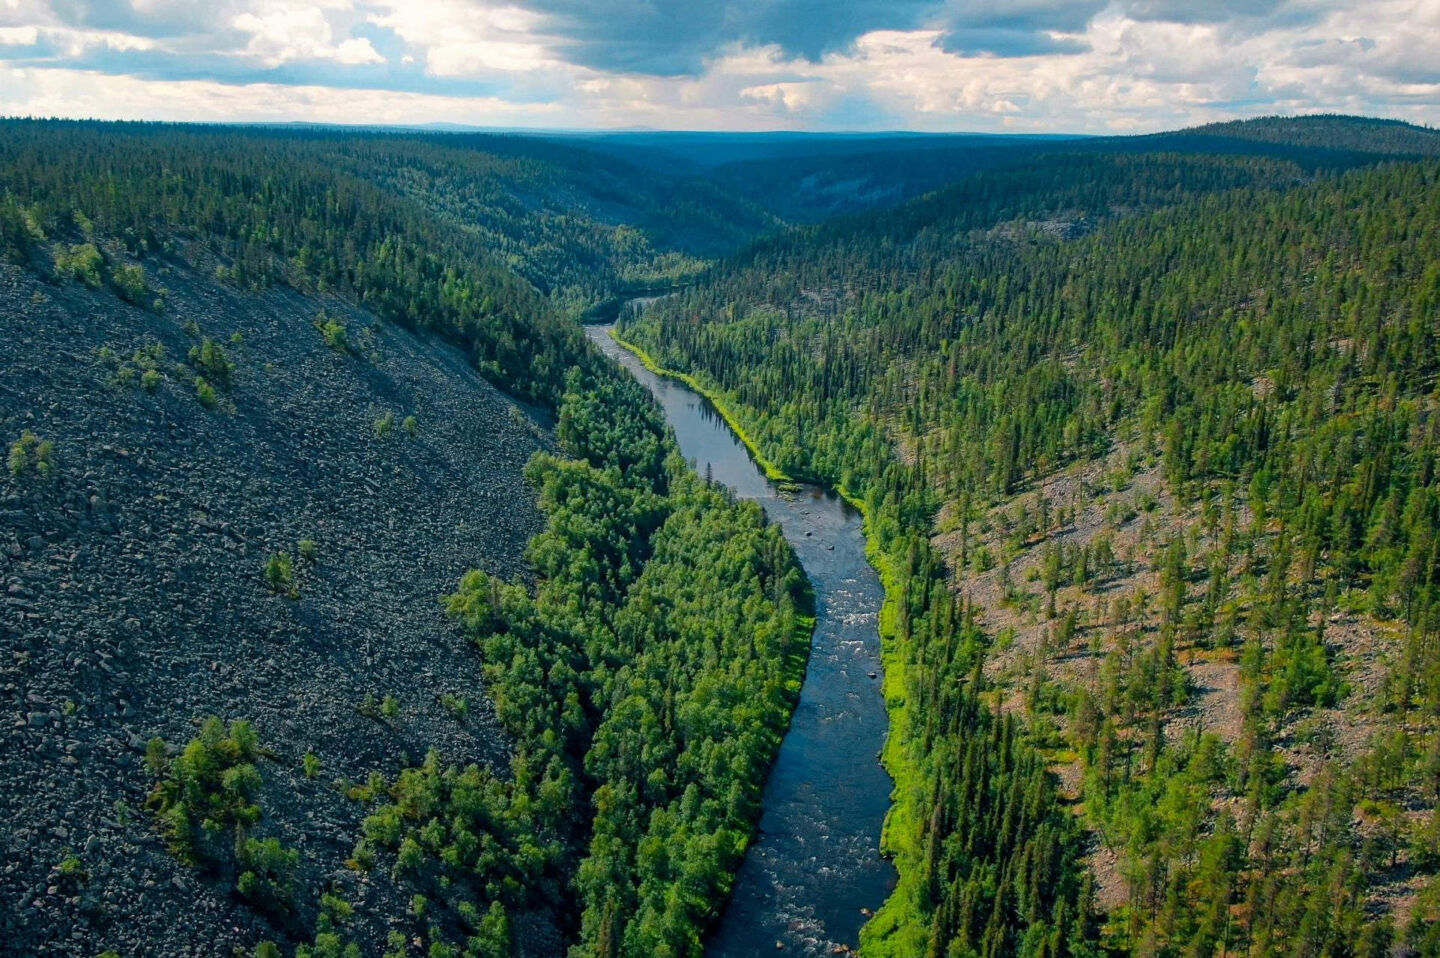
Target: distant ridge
pixel 1330 131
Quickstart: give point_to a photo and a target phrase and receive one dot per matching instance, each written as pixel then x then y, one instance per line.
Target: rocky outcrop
pixel 132 599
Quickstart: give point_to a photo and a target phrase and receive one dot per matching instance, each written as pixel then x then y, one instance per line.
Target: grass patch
pixel 897 929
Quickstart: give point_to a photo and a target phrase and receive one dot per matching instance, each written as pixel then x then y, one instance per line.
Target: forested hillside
pixel 574 223
pixel 805 178
pixel 1147 444
pixel 1336 133
pixel 249 453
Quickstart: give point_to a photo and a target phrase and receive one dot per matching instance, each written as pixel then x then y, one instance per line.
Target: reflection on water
pixel 815 863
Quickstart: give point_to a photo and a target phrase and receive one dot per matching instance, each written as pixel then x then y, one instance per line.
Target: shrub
pixel 81 262
pixel 334 333
pixel 280 574
pixel 150 380
pixel 30 452
pixel 390 707
pixel 337 909
pixel 146 364
pixel 19 456
pixel 206 393
pixel 268 875
pixel 384 425
pixel 129 282
pixel 411 425
pixel 72 872
pixel 208 787
pixel 308 550
pixel 44 457
pixel 492 937
pixel 157 755
pixel 456 705
pixel 310 764
pixel 211 361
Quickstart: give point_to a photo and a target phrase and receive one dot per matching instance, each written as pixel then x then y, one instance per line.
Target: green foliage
pixel 581 672
pixel 30 453
pixel 308 550
pixel 71 874
pixel 310 764
pixel 333 331
pixel 209 787
pixel 206 393
pixel 492 937
pixel 1333 132
pixel 267 873
pixel 411 425
pixel 210 361
pixel 81 262
pixel 129 281
pixel 384 425
pixel 279 574
pixel 145 367
pixel 157 756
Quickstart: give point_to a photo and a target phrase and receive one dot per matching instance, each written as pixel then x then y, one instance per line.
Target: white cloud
pixel 1134 69
pixel 1141 74
pixel 53 92
pixel 792 97
pixel 461 39
pixel 18 36
pixel 282 32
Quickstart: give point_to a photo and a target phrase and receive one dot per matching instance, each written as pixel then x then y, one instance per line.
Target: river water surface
pixel 814 869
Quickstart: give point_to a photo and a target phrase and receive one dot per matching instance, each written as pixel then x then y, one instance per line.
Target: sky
pixel 1024 66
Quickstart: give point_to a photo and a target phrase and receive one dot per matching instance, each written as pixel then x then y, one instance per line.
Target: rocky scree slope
pixel 133 600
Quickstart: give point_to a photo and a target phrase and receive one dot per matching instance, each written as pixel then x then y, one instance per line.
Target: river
pixel 814 871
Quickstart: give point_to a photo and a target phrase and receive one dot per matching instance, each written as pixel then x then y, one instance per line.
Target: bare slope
pixel 133 600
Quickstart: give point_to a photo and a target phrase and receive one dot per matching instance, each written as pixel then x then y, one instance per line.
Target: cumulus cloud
pixel 1027 65
pixel 281 32
pixel 462 38
pixel 19 36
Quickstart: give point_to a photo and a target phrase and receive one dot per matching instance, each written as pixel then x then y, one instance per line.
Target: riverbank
pixel 732 420
pixel 893 930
